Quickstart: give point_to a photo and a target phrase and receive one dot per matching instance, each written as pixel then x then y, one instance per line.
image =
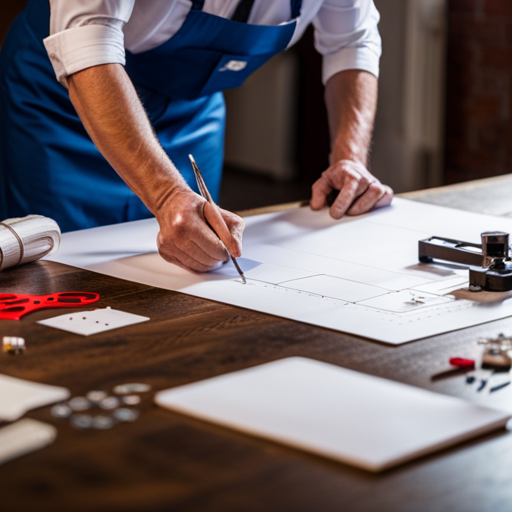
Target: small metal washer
pixel 132 387
pixel 103 422
pixel 79 403
pixel 61 411
pixel 81 420
pixel 96 396
pixel 109 403
pixel 124 414
pixel 131 400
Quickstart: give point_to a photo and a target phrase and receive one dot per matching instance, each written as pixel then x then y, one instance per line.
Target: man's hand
pixel 351 100
pixel 359 190
pixel 185 238
pixel 112 113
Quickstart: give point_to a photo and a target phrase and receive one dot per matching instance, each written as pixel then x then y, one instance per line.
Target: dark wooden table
pixel 165 461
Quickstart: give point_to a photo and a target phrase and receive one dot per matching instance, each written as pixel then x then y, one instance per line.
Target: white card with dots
pixel 93 322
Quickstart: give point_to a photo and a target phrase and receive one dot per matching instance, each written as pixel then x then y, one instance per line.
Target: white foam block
pixel 23 437
pixel 18 396
pixel 93 322
pixel 364 421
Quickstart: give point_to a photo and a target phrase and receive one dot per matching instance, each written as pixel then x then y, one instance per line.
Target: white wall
pixel 408 140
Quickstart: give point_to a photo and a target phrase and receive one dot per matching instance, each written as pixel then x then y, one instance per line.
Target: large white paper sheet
pixel 358 275
pixel 365 421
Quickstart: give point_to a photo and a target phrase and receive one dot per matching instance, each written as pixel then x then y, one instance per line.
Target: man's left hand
pixel 359 190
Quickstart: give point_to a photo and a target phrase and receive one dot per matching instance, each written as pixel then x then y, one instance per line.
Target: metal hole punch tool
pixel 489 262
pixel 497 352
pixel 206 194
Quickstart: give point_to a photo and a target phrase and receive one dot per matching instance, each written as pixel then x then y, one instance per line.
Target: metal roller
pixel 27 239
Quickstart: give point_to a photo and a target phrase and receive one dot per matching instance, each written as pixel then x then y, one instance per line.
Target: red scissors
pixel 15 305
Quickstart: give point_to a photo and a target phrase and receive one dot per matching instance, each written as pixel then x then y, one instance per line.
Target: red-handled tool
pixel 460 362
pixel 15 305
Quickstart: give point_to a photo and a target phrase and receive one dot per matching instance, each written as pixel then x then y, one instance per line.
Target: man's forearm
pixel 351 100
pixel 114 117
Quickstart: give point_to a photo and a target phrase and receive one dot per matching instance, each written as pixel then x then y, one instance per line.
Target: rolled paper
pixel 27 239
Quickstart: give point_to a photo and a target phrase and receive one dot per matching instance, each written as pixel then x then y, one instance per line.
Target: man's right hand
pixel 114 117
pixel 185 238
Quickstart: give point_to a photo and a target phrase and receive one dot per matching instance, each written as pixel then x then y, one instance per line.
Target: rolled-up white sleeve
pixel 347 36
pixel 86 34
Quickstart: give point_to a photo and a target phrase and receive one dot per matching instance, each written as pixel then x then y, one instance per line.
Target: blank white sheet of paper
pixel 361 420
pixel 358 275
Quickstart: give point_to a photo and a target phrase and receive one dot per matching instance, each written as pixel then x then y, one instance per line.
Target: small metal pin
pixel 499 386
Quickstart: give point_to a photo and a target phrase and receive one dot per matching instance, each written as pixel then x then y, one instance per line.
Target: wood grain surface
pixel 165 461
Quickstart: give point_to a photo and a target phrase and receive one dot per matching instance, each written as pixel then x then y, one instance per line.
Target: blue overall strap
pixel 197 5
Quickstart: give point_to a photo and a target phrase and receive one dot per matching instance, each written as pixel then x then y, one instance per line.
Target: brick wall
pixel 479 89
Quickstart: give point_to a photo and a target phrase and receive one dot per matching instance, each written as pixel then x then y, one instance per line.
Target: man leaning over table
pixel 101 101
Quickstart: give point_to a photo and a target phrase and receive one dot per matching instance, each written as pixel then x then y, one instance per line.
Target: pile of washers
pixel 101 411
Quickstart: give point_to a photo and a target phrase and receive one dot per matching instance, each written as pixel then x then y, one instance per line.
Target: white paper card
pixel 355 275
pixel 23 437
pixel 93 322
pixel 361 420
pixel 19 396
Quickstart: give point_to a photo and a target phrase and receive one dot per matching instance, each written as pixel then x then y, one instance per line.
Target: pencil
pixel 206 194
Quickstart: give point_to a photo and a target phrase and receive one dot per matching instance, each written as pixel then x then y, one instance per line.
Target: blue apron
pixel 49 165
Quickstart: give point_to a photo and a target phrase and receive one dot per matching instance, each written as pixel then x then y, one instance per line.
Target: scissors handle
pixel 15 305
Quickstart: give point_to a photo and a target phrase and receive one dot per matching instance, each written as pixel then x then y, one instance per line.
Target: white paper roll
pixel 27 239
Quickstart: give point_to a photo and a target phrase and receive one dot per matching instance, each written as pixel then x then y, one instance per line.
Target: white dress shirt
pixel 85 34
